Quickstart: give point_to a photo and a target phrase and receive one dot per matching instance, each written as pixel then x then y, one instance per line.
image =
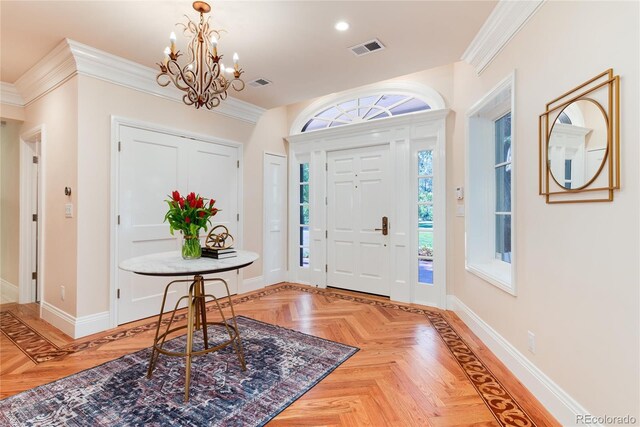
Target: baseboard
pixel 58 318
pixel 9 291
pixel 75 327
pixel 252 284
pixel 92 323
pixel 557 401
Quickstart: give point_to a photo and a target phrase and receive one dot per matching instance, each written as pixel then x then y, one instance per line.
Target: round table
pixel 172 264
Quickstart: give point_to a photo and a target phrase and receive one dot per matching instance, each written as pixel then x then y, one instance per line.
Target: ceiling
pixel 292 43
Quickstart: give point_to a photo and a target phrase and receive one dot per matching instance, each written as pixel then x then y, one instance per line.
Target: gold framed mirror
pixel 579 143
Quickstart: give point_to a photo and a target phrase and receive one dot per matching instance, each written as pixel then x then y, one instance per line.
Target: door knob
pixel 385 226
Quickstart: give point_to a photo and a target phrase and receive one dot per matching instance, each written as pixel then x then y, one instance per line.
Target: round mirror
pixel 577 146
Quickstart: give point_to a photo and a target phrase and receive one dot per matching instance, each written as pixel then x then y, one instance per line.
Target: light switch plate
pixel 459 210
pixel 68 210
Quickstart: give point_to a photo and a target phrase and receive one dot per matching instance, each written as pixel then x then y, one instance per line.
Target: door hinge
pixel 118 219
pixel 326 166
pixel 326 201
pixel 118 293
pixel 238 164
pixel 326 234
pixel 35 159
pixel 34 275
pixel 237 217
pixel 35 217
pixel 238 272
pixel 119 146
pixel 326 268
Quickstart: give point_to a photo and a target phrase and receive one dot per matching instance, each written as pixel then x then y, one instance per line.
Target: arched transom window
pixel 365 108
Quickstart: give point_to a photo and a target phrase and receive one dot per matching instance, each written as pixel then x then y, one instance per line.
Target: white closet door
pixel 151 166
pixel 213 173
pixel 275 219
pixel 358 199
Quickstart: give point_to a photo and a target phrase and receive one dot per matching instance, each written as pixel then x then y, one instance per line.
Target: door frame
pixel 264 216
pixel 26 294
pixel 402 133
pixel 116 123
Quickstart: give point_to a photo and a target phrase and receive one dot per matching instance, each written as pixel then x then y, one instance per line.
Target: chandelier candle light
pixel 204 78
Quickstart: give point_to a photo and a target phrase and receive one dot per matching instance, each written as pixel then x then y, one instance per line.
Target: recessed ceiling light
pixel 342 26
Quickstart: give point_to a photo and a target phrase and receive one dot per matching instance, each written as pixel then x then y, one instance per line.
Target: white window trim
pixel 489 108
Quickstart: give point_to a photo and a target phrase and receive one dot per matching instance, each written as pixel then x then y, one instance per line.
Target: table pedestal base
pixel 196 320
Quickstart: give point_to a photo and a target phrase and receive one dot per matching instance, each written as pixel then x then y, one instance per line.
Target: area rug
pixel 281 366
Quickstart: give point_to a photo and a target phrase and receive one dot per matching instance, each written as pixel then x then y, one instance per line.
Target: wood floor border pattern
pixel 498 400
pixel 28 340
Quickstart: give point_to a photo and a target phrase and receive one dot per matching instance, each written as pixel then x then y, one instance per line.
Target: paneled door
pixel 358 200
pixel 275 219
pixel 151 165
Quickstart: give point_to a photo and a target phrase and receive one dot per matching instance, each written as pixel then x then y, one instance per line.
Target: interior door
pixel 151 166
pixel 213 173
pixel 358 200
pixel 275 218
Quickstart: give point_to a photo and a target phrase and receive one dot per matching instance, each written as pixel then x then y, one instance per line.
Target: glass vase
pixel 191 247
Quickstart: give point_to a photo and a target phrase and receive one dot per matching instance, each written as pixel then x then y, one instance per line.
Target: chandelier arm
pixel 178 76
pixel 238 88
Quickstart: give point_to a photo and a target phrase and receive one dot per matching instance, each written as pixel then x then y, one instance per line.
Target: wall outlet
pixel 68 210
pixel 62 293
pixel 531 341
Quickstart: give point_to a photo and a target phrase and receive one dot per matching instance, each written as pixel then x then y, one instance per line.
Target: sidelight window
pixel 425 217
pixel 304 215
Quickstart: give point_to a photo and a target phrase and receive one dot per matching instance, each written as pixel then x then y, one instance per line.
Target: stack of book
pixel 218 253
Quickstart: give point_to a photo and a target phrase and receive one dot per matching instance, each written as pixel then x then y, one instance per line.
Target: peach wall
pixel 57 111
pixel 9 200
pixel 577 264
pixel 98 100
pixel 11 112
pixel 267 136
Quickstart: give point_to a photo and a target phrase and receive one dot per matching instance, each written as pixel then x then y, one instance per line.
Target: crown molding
pixel 9 95
pixel 47 74
pixel 504 22
pixel 71 58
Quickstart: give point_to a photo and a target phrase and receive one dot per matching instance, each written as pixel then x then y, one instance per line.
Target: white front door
pixel 151 166
pixel 358 199
pixel 275 219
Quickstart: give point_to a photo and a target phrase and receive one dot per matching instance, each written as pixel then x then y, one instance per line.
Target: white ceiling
pixel 292 43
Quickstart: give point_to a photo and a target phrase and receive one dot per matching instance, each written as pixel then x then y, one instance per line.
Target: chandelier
pixel 204 79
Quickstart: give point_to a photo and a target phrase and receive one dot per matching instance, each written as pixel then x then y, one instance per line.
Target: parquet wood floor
pixel 417 366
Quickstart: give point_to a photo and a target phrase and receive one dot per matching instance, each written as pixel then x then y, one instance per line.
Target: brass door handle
pixel 385 226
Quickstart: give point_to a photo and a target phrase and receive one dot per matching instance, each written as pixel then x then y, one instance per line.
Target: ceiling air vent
pixel 367 47
pixel 259 82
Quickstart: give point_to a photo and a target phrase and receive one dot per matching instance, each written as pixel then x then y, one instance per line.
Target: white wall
pixel 577 266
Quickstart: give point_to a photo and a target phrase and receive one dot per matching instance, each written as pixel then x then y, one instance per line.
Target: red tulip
pixel 211 202
pixel 214 211
pixel 201 214
pixel 175 195
pixel 181 201
pixel 187 220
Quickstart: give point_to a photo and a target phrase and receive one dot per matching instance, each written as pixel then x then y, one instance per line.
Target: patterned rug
pixel 281 366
